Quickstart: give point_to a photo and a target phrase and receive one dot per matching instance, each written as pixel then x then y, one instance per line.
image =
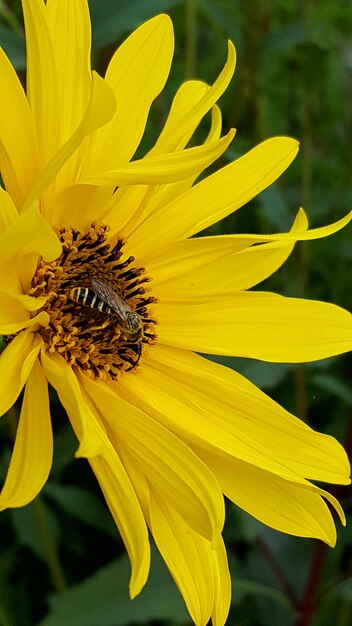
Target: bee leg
pixel 138 352
pixel 136 348
pixel 100 326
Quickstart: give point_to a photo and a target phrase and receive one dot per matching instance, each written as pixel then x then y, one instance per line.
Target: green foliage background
pixel 61 559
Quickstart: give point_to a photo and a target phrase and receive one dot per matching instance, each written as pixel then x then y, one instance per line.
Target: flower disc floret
pixel 89 338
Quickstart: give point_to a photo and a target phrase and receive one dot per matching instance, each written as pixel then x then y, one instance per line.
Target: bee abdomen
pixel 88 297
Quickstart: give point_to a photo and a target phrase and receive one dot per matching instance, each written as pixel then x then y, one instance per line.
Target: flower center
pixel 97 302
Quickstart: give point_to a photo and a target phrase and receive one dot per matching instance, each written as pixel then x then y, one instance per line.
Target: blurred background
pixel 61 559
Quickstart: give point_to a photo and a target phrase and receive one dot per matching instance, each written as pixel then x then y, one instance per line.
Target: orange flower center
pixel 97 302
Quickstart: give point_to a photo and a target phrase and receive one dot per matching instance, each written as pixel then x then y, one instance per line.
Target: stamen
pixel 89 326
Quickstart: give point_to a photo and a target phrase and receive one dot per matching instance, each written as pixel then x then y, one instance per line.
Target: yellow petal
pixel 136 476
pixel 226 424
pixel 299 231
pixel 63 379
pixel 188 557
pixel 30 233
pixel 16 363
pixel 125 510
pixel 185 119
pixel 33 450
pixel 121 498
pixel 186 99
pixel 137 203
pixel 257 263
pixel 222 585
pixel 184 256
pixel 285 506
pixel 29 237
pixel 231 404
pixel 80 205
pixel 14 312
pixel 258 325
pixel 125 206
pixel 69 27
pixel 166 193
pixel 165 168
pixel 100 109
pixel 137 73
pixel 41 77
pixel 169 464
pixel 8 211
pixel 207 268
pixel 154 394
pixel 312 516
pixel 216 196
pixel 19 159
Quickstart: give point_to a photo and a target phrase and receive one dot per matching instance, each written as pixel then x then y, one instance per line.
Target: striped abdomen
pixel 88 297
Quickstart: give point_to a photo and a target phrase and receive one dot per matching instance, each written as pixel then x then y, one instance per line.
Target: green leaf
pixel 14 47
pixel 82 505
pixel 112 18
pixel 334 386
pixel 28 523
pixel 246 587
pixel 103 599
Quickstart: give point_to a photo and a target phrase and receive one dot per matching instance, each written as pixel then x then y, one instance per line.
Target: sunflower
pixel 107 296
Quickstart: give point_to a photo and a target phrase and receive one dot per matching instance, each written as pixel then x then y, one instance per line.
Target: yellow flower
pixel 106 296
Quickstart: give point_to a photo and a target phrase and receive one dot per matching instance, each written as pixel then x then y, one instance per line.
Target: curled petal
pixel 129 206
pixel 33 451
pixel 16 363
pixel 8 211
pixel 63 379
pixel 100 109
pixel 26 239
pixel 15 313
pixel 140 202
pixel 19 157
pixel 214 268
pixel 216 196
pixel 160 169
pixel 187 119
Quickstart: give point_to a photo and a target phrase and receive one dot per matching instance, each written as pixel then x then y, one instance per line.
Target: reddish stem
pixel 278 571
pixel 306 607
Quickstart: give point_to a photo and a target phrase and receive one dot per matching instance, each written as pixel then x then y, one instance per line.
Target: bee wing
pixel 111 298
pixel 103 290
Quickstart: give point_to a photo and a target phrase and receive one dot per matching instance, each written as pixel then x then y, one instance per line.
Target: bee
pixel 104 299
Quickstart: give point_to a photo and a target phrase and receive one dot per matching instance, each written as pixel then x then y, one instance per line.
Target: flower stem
pixel 307 606
pixel 49 548
pixel 278 571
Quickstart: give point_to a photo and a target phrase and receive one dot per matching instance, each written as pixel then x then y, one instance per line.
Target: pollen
pixel 93 338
